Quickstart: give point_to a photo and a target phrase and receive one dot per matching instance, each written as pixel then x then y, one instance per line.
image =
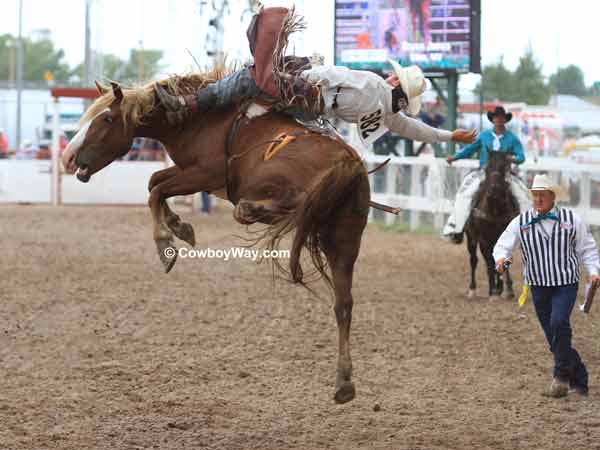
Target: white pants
pixel 464 198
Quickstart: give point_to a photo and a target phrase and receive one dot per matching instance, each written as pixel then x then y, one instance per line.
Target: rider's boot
pixel 456 238
pixel 226 91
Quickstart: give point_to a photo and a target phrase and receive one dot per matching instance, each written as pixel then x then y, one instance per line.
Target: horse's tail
pixel 317 211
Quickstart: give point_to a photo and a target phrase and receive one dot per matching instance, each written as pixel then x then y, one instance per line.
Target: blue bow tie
pixel 540 217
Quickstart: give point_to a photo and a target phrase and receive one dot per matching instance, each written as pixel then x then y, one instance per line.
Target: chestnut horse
pixel 315 185
pixel 494 206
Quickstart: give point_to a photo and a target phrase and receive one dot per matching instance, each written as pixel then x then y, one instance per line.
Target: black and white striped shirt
pixel 552 250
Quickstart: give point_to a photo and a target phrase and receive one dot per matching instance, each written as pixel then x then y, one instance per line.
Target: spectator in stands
pixel 27 150
pixel 205 204
pixel 136 148
pixel 387 144
pixel 153 150
pixel 432 116
pixel 3 145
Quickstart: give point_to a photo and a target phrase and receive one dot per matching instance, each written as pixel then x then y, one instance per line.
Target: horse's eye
pixel 108 119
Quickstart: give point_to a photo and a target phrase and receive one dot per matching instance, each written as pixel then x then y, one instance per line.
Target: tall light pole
pixel 140 62
pixel 87 69
pixel 19 75
pixel 140 56
pixel 11 45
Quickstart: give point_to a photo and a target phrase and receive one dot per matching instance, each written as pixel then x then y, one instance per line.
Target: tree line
pixel 525 84
pixel 42 61
pixel 528 84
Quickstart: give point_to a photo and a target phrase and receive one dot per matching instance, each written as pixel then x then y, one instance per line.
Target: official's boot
pixel 558 389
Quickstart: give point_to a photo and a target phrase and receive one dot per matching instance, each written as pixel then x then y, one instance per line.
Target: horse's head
pixel 104 136
pixel 495 173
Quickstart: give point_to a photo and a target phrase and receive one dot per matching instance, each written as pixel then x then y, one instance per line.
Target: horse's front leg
pixel 182 230
pixel 162 235
pixel 472 247
pixel 493 277
pixel 180 182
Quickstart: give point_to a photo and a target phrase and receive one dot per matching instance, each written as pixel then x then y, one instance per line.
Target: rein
pixel 481 213
pixel 275 145
pixel 231 135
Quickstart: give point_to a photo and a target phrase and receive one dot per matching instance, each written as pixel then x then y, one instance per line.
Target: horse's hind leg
pixel 472 247
pixel 341 245
pixel 182 230
pixel 494 281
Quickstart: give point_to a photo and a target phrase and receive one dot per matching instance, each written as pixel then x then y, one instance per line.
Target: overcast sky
pixel 558 32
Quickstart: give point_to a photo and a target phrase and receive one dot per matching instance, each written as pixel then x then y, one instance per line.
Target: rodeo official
pixel 555 243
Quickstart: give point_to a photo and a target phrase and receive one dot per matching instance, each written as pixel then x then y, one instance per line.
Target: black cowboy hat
pixel 499 111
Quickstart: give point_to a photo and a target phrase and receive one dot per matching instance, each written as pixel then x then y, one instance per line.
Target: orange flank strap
pixel 278 143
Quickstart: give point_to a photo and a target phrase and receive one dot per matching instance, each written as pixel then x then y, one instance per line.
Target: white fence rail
pixel 30 181
pixel 425 187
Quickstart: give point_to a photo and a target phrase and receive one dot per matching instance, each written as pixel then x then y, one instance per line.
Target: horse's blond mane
pixel 138 101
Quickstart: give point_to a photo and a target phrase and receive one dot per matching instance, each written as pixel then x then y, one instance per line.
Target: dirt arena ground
pixel 99 349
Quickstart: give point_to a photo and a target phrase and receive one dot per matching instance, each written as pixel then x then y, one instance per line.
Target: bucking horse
pixel 274 170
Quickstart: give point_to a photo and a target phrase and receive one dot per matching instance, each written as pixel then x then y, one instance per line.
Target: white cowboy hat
pixel 413 84
pixel 542 182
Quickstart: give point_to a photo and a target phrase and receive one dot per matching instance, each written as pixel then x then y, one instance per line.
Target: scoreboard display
pixel 437 35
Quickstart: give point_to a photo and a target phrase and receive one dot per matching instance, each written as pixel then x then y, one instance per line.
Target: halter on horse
pixel 316 185
pixel 494 206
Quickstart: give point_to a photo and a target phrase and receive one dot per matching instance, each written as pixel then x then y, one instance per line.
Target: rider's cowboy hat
pixel 499 111
pixel 413 84
pixel 542 182
pixel 316 59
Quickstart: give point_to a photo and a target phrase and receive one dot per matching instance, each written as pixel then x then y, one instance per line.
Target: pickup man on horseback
pixel 374 104
pixel 498 139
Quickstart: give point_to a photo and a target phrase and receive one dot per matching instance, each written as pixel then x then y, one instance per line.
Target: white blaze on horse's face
pixel 68 158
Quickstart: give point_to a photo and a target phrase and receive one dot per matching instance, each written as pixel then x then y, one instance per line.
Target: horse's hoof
pixel 344 393
pixel 471 293
pixel 508 295
pixel 494 298
pixel 169 264
pixel 185 232
pixel 167 253
pixel 182 230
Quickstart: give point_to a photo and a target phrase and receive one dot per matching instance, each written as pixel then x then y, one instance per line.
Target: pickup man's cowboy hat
pixel 499 111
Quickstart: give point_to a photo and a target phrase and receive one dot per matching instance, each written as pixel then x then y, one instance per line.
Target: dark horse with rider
pixel 489 198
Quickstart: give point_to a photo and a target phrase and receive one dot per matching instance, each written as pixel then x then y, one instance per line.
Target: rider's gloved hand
pixel 178 108
pixel 464 136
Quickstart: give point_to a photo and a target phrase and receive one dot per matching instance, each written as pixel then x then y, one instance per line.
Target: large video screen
pixel 434 34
